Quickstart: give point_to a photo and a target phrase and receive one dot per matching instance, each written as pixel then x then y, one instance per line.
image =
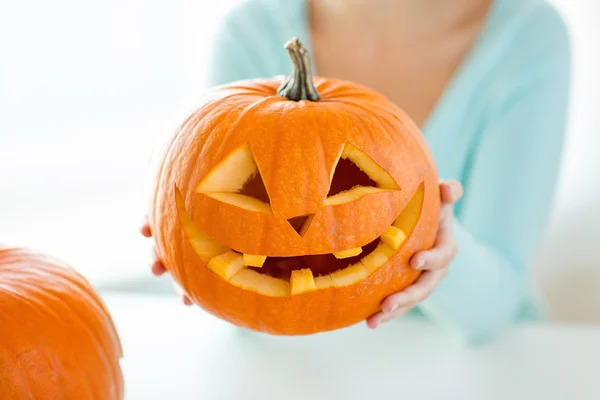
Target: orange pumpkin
pixel 57 340
pixel 292 206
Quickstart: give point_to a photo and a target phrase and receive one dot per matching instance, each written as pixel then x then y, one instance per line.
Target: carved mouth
pixel 320 264
pixel 285 276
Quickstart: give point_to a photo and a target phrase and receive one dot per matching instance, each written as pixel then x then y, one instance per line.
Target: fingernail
pixel 393 308
pixel 420 264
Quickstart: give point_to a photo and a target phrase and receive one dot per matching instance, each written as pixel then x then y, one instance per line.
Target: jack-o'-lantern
pixel 57 339
pixel 292 205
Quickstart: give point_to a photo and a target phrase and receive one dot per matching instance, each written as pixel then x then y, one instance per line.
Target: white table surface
pixel 179 353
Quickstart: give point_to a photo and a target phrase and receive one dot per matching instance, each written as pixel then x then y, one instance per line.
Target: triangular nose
pixel 301 223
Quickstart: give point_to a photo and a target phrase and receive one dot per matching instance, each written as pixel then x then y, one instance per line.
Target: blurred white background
pixel 87 89
pixel 568 261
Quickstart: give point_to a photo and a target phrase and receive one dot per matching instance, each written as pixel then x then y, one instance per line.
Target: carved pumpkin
pixel 293 206
pixel 57 340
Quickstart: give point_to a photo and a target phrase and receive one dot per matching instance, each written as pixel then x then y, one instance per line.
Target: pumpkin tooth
pixel 348 253
pixel 323 282
pixel 254 261
pixel 393 237
pixel 302 281
pixel 226 265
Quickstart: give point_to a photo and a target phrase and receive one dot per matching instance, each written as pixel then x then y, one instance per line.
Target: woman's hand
pixel 158 268
pixel 433 262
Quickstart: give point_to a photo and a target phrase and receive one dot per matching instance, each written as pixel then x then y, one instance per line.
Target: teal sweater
pixel 498 128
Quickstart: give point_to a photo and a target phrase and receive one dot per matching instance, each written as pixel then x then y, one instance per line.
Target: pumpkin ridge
pixel 74 286
pixel 248 108
pixel 385 125
pixel 99 346
pixel 393 111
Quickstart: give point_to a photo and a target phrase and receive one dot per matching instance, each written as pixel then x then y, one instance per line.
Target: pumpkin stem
pixel 299 85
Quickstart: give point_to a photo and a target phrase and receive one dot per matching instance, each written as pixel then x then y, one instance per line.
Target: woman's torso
pixel 407 50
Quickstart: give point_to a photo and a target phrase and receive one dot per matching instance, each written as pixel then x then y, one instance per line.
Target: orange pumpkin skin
pixel 57 340
pixel 296 145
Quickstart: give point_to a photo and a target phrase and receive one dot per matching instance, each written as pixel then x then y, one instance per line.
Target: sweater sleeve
pixel 509 186
pixel 248 42
pixel 230 57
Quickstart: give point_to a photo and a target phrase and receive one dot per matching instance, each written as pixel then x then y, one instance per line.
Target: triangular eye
pixel 237 181
pixel 347 175
pixel 256 189
pixel 356 175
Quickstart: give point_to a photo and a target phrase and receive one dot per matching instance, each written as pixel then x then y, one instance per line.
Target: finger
pixel 444 250
pixel 387 317
pixel 145 230
pixel 410 296
pixel 181 293
pixel 157 266
pixel 451 191
pixel 415 293
pixel 382 317
pixel 435 259
pixel 444 233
